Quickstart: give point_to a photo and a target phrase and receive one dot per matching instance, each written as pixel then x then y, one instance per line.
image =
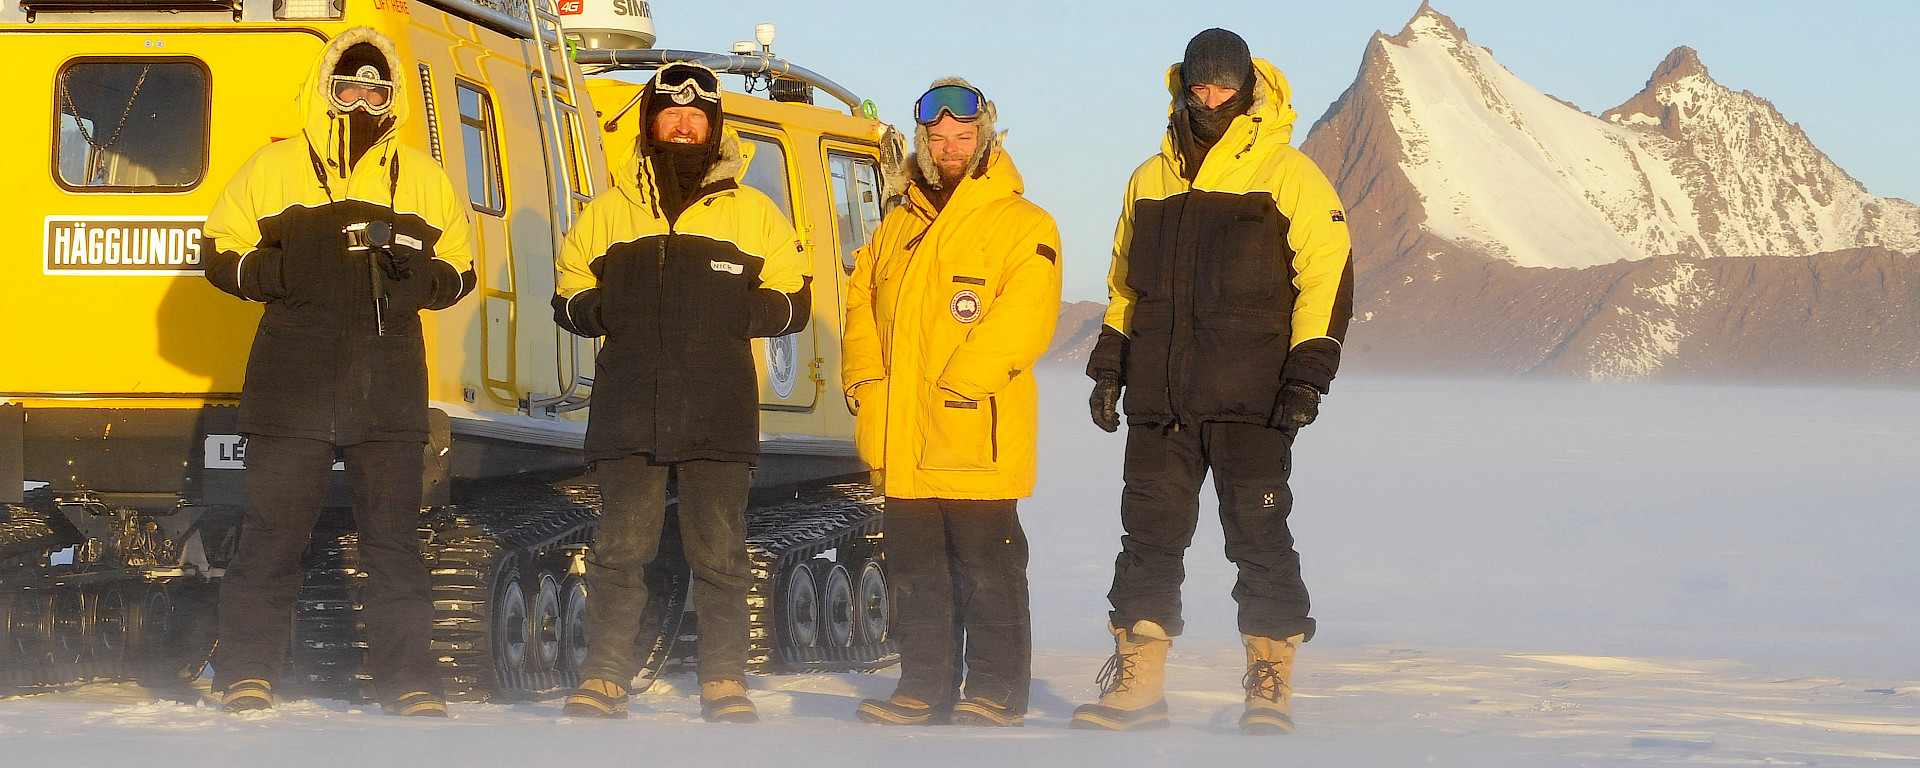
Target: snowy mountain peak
pixel 1682 63
pixel 1692 230
pixel 1680 72
pixel 1686 167
pixel 1428 22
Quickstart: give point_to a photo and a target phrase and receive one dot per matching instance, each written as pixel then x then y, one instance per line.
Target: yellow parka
pixel 947 311
pixel 1225 286
pixel 338 356
pixel 677 300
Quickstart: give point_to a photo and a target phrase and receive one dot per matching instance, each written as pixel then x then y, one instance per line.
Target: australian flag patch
pixel 1339 215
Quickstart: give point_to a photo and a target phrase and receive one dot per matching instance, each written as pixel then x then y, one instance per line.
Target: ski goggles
pixel 963 103
pixel 683 84
pixel 362 90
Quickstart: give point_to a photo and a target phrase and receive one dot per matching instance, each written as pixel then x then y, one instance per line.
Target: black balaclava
pixel 363 129
pixel 678 169
pixel 1217 57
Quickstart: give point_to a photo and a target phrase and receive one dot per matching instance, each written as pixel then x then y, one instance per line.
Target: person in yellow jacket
pixel 345 234
pixel 947 310
pixel 678 267
pixel 1230 292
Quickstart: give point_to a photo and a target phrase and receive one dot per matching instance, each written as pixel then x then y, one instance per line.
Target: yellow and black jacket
pixel 947 310
pixel 1225 286
pixel 677 302
pixel 331 361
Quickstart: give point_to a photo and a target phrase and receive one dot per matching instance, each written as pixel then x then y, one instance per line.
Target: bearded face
pixel 953 144
pixel 681 125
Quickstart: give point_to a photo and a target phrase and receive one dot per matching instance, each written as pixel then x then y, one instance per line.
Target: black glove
pixel 1296 406
pixel 397 263
pixel 1104 402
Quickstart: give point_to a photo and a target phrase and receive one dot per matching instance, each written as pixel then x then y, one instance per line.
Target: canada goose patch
pixel 726 266
pixel 965 306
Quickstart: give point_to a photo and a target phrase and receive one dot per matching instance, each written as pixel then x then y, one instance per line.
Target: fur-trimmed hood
pixel 1268 120
pixel 997 179
pixel 636 174
pixel 643 144
pixel 327 130
pixel 635 178
pixel 920 164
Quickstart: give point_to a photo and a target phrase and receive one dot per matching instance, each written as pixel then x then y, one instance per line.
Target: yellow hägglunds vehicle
pixel 120 365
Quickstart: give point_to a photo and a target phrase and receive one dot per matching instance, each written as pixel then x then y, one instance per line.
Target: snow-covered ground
pixel 1505 574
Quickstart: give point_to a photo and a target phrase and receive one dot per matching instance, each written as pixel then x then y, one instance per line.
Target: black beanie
pixel 1217 57
pixel 360 55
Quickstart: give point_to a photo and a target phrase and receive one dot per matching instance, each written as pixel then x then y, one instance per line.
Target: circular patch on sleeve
pixel 965 306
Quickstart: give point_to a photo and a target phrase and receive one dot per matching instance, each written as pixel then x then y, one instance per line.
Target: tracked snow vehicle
pixel 120 463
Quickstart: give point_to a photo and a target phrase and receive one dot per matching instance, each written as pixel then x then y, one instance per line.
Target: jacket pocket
pixel 870 422
pixel 958 434
pixel 1249 263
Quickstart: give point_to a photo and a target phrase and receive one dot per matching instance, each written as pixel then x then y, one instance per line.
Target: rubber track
pixel 34 529
pixel 510 524
pixel 782 536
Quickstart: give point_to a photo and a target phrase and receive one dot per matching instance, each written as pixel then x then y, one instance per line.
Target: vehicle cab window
pixel 480 141
pixel 856 202
pixel 767 171
pixel 131 124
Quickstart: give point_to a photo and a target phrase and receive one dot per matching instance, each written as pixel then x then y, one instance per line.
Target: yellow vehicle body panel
pixel 165 338
pixel 151 333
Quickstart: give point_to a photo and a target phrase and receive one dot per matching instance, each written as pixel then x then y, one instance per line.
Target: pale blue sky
pixel 1080 84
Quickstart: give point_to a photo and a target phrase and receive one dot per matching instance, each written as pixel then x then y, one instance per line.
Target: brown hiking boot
pixel 901 709
pixel 725 701
pixel 1132 684
pixel 596 697
pixel 1269 684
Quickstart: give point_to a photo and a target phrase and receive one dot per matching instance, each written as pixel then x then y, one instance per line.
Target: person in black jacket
pixel 345 235
pixel 678 267
pixel 1230 294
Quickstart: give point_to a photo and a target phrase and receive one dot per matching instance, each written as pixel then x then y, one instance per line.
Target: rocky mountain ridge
pixel 1692 231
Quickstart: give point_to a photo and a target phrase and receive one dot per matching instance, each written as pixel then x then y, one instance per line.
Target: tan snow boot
pixel 247 696
pixel 597 697
pixel 900 709
pixel 1269 684
pixel 1132 684
pixel 725 701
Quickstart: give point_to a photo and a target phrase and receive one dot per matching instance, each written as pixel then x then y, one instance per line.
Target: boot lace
pixel 1118 673
pixel 1265 680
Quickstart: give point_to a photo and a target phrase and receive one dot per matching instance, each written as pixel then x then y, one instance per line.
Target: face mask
pixel 363 130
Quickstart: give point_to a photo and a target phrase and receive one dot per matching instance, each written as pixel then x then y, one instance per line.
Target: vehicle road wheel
pixel 872 611
pixel 573 625
pixel 509 629
pixel 836 599
pixel 108 615
pixel 543 612
pixel 800 607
